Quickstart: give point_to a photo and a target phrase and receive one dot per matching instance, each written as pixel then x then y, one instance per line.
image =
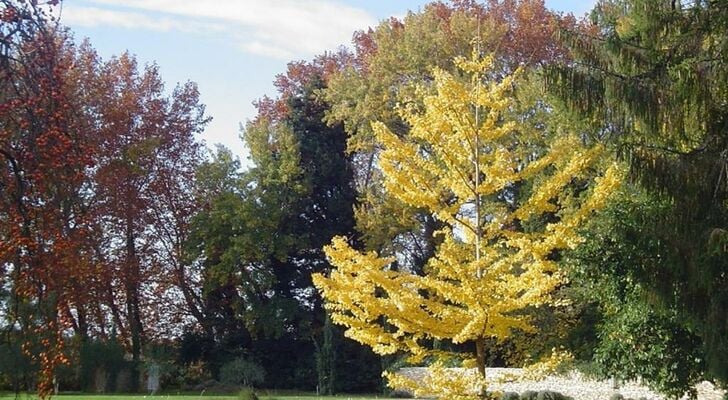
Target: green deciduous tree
pixel 261 236
pixel 631 333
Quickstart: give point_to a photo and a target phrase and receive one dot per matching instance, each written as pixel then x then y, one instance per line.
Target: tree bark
pixel 132 304
pixel 480 362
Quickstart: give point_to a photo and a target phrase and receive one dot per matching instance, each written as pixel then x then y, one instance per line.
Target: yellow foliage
pixel 468 166
pixel 547 366
pixel 446 383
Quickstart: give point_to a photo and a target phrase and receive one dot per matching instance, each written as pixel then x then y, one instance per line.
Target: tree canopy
pixel 461 162
pixel 650 77
pixel 561 190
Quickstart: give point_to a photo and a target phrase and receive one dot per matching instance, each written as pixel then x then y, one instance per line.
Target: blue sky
pixel 232 48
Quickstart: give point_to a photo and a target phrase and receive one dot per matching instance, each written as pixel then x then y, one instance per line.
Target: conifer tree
pixel 651 76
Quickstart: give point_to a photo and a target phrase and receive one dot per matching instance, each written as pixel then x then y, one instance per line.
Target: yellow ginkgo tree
pixel 462 161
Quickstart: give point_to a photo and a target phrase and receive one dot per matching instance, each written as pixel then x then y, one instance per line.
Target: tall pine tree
pixel 651 76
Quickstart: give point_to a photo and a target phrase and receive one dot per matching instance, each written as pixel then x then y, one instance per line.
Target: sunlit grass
pixel 264 395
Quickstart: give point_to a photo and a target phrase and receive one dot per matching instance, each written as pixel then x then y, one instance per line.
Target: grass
pixel 264 395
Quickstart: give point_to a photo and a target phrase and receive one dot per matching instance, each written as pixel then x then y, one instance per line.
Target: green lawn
pixel 264 396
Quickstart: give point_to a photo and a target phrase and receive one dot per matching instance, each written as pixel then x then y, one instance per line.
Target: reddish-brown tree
pixel 95 190
pixel 298 75
pixel 143 188
pixel 42 184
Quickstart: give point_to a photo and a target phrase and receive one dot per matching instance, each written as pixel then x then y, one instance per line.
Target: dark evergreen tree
pixel 651 78
pixel 261 237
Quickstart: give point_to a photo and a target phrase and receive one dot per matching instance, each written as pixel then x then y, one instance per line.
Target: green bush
pixel 550 395
pixel 17 372
pixel 163 355
pixel 629 332
pixel 510 396
pixel 102 357
pixel 247 393
pixel 616 396
pixel 242 371
pixel 400 394
pixel 529 395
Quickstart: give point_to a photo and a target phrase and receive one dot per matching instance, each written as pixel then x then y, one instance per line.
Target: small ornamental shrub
pixel 242 371
pixel 529 395
pixel 510 396
pixel 551 395
pixel 400 394
pixel 247 394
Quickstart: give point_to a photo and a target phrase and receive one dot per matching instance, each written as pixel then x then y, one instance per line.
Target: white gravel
pixel 573 384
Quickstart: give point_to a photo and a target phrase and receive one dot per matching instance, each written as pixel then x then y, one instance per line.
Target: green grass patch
pixel 263 394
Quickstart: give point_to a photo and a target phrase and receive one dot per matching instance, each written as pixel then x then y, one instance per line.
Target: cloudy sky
pixel 233 48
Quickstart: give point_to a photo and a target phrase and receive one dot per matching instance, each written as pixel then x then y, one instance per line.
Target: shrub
pixel 510 396
pixel 550 395
pixel 192 375
pixel 400 394
pixel 15 367
pixel 242 371
pixel 529 395
pixel 99 358
pixel 247 393
pixel 616 396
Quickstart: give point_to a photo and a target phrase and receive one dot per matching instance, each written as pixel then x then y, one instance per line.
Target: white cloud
pixel 280 29
pixel 260 48
pixel 94 17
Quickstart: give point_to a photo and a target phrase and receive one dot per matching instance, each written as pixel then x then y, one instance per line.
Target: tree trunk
pixel 480 361
pixel 80 324
pixel 115 311
pixel 132 305
pixel 194 304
